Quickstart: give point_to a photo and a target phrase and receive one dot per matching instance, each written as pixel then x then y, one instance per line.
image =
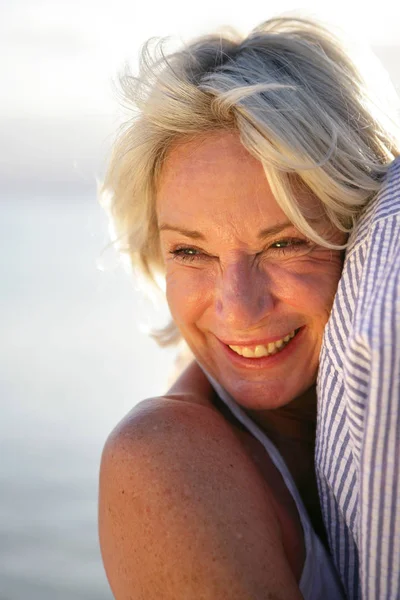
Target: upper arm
pixel 183 512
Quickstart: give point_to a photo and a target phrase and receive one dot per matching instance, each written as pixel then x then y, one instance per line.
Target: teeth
pixel 260 351
pixel 267 350
pixel 247 353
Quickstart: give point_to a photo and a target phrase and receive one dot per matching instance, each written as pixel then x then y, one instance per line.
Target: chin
pixel 258 397
pixel 265 395
pixel 262 390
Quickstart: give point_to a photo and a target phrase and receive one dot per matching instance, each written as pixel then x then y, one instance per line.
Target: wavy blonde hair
pixel 298 103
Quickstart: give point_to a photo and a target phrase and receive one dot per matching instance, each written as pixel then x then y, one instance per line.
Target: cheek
pixel 311 286
pixel 188 295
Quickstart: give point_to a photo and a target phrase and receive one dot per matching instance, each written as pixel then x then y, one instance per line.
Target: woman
pixel 245 170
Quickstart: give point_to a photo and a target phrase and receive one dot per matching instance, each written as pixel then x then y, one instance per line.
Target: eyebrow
pixel 196 235
pixel 271 231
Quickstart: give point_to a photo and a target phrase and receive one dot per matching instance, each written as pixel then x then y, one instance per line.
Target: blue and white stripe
pixel 358 429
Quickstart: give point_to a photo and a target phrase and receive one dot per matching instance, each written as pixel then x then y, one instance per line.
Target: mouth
pixel 261 350
pixel 254 353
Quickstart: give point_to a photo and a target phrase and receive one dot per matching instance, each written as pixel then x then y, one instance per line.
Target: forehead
pixel 206 153
pixel 215 176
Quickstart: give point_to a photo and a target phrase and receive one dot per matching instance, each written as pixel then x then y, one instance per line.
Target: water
pixel 72 363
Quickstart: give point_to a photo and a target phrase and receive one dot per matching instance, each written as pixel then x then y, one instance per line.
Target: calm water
pixel 72 363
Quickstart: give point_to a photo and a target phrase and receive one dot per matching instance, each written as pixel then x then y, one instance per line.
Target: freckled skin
pixel 235 286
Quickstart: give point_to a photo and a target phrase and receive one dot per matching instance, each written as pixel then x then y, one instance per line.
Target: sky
pixel 59 58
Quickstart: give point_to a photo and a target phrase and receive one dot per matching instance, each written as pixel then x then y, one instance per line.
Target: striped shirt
pixel 358 430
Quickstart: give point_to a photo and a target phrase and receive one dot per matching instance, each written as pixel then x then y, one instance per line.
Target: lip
pixel 259 342
pixel 263 362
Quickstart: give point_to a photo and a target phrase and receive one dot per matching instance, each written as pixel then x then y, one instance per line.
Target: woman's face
pixel 250 293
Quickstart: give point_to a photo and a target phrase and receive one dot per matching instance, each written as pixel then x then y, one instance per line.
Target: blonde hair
pixel 295 98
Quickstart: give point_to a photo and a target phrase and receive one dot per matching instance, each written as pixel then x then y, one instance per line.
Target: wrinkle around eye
pixel 189 254
pixel 292 249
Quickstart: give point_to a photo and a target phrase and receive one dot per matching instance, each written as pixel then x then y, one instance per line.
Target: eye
pixel 290 245
pixel 187 254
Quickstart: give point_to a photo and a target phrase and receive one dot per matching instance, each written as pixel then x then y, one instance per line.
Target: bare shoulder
pixel 189 403
pixel 156 427
pixel 148 420
pixel 175 485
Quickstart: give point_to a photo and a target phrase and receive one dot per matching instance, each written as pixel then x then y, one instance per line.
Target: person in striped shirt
pixel 358 434
pixel 249 164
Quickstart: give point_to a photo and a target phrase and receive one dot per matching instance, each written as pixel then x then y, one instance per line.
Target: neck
pixel 293 423
pixel 292 429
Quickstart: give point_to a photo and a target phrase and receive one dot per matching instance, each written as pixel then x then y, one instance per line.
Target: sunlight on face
pixel 250 293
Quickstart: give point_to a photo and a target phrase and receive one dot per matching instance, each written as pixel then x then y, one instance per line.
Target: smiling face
pixel 250 293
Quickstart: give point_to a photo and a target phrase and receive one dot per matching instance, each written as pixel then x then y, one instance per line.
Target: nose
pixel 243 295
